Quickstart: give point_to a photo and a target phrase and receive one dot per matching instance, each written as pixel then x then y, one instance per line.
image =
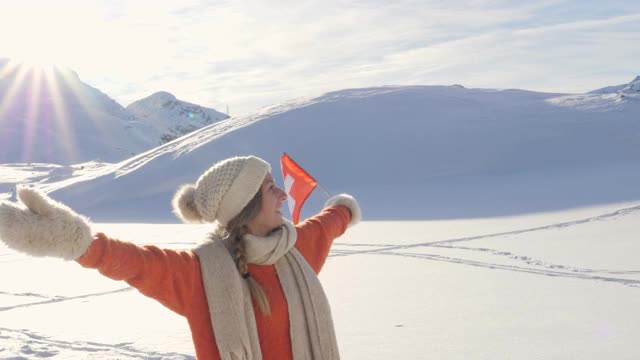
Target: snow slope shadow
pixel 496 195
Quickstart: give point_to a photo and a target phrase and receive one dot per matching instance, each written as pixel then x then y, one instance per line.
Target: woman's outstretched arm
pixel 316 234
pixel 169 276
pixel 40 226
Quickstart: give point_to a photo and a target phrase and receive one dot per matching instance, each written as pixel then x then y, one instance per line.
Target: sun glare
pixel 34 85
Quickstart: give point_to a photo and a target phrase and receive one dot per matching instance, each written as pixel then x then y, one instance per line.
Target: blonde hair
pixel 233 232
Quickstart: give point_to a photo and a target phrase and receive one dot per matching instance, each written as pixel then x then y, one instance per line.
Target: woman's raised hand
pixel 40 226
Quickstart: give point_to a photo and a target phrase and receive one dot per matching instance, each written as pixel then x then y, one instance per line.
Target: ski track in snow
pixel 622 281
pixel 25 294
pixel 25 344
pixel 390 249
pixel 539 267
pixel 57 299
pixel 602 217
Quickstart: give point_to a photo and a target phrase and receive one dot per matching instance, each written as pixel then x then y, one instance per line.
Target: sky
pixel 250 54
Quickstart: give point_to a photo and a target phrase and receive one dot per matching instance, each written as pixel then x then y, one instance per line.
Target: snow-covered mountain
pixel 172 117
pixel 398 148
pixel 49 115
pixel 632 87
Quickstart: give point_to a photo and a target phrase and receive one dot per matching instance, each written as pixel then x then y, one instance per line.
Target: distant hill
pixel 408 152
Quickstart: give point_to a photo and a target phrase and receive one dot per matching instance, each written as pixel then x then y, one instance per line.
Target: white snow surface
pixel 560 285
pixel 499 224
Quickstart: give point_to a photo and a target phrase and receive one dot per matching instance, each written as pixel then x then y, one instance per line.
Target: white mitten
pixel 40 226
pixel 349 202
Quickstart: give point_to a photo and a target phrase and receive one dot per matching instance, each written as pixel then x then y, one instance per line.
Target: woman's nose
pixel 283 195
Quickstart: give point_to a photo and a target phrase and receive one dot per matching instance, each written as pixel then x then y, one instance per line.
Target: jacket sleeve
pixel 169 276
pixel 316 234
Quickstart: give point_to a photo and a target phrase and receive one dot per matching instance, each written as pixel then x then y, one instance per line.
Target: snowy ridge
pixel 604 100
pixel 632 87
pixel 173 150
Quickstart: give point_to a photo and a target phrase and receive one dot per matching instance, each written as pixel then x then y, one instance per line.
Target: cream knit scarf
pixel 231 309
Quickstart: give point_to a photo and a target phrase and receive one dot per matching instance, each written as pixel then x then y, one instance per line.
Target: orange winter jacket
pixel 173 278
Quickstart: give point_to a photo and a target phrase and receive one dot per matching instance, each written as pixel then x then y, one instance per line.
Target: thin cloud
pixel 253 53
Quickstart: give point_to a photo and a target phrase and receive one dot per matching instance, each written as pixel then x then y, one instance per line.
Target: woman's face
pixel 270 215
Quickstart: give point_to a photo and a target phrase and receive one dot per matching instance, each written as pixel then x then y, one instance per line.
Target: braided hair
pixel 233 233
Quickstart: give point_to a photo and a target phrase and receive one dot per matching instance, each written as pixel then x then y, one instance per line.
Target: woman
pixel 250 291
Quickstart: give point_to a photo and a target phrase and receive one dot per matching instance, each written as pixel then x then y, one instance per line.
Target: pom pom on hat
pixel 222 191
pixel 184 204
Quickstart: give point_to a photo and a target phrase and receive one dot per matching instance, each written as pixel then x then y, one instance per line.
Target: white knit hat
pixel 222 191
